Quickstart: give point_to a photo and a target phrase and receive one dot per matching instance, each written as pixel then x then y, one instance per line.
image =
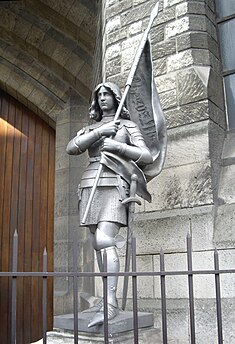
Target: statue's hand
pixel 110 145
pixel 109 129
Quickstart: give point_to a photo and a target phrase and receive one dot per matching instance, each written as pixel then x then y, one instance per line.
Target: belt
pixel 94 158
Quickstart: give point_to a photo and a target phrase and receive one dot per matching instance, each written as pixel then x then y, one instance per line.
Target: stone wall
pixel 187 194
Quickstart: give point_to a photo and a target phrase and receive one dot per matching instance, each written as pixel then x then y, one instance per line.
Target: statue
pixel 107 213
pixel 123 147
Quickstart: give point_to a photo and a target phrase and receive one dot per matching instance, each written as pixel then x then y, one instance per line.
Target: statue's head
pixel 95 110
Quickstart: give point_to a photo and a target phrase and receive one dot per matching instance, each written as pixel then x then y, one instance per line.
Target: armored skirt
pixel 107 202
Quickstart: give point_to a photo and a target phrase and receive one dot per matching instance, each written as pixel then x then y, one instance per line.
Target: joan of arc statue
pixel 107 213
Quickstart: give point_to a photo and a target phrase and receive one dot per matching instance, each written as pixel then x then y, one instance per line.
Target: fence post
pixel 13 288
pixel 134 292
pixel 218 297
pixel 44 298
pixel 105 299
pixel 190 284
pixel 163 298
pixel 75 289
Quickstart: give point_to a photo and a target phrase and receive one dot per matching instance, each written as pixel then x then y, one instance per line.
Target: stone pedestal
pixel 146 336
pixel 123 322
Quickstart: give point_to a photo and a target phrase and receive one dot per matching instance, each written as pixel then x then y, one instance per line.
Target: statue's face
pixel 106 100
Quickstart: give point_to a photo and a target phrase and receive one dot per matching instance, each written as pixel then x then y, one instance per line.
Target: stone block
pixel 116 36
pixel 61 225
pixel 157 34
pixel 166 82
pixel 167 15
pixel 154 234
pixel 61 192
pixel 202 231
pixel 145 284
pixel 217 115
pixel 176 27
pixel 177 318
pixel 35 36
pixel 74 64
pixel 113 7
pixel 180 143
pixel 165 48
pixel 113 52
pixel 179 61
pixel 113 67
pixel 62 159
pixel 169 3
pixel 183 42
pixel 22 27
pixel 197 23
pixel 206 321
pixel 182 186
pixel 176 286
pixel 135 28
pixel 61 255
pixel 229 149
pixel 26 88
pixel 160 66
pixel 201 57
pixel 137 13
pixel 168 99
pixel 181 9
pixel 113 24
pixel 211 29
pixel 8 19
pixel 62 135
pixel 215 94
pixel 61 54
pixel 227 186
pixel 192 84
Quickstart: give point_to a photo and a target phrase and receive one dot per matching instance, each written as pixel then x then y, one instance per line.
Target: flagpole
pixel 139 51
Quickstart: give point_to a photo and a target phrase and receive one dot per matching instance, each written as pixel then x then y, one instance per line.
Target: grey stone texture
pixel 48 48
pixel 194 193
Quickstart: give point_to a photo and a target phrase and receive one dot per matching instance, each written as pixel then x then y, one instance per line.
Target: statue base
pixel 123 322
pixel 146 336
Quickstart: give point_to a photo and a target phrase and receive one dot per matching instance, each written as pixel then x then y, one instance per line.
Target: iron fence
pixel 75 275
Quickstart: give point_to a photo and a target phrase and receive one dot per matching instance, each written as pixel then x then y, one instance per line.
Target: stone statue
pixel 107 213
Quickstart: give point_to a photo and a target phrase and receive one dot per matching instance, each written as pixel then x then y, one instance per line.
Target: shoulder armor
pixel 128 124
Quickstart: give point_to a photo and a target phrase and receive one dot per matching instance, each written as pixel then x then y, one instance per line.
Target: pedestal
pixel 123 322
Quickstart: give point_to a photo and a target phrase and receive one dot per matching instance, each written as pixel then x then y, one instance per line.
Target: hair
pixel 95 111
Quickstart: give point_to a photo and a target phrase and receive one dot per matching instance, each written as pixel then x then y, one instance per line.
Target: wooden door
pixel 27 159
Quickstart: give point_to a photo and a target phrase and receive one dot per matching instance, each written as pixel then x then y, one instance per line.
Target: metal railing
pixel 75 275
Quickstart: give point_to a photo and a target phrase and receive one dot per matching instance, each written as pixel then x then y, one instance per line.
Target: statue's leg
pixel 105 239
pixel 98 252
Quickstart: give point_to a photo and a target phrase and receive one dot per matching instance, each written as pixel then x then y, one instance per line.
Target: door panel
pixel 27 169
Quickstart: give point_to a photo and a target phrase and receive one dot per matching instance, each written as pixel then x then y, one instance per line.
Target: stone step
pixel 146 336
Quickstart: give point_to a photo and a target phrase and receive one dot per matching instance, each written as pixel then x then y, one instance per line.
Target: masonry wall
pixel 187 194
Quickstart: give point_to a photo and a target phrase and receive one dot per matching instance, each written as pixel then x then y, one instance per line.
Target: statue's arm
pixel 140 154
pixel 84 139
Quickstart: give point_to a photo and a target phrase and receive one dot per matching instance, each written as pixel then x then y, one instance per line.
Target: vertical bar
pixel 105 298
pixel 190 284
pixel 13 302
pixel 134 292
pixel 44 298
pixel 218 298
pixel 163 298
pixel 75 290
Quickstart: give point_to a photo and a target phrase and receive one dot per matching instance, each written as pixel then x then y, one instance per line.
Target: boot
pixel 112 266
